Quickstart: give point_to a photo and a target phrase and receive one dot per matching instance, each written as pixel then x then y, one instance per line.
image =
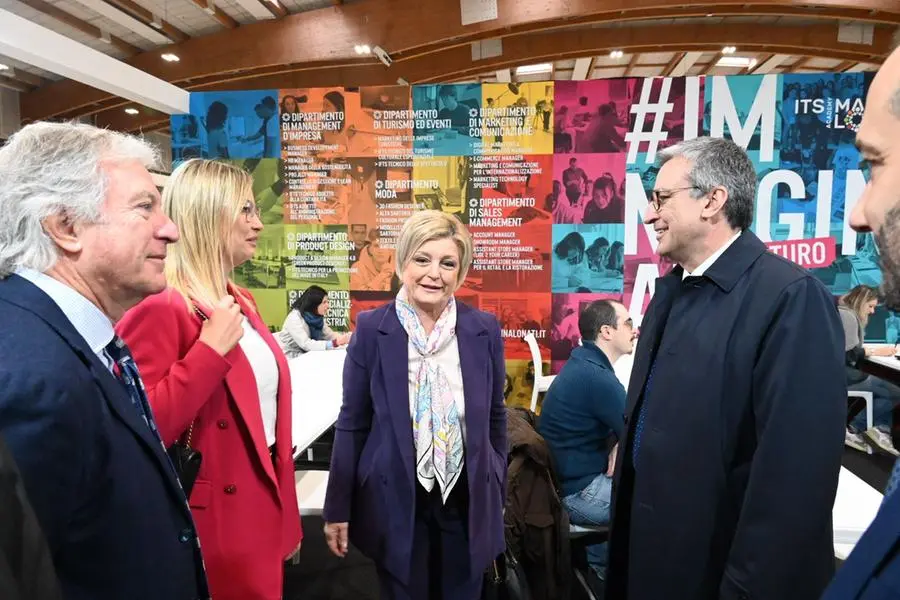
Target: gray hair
pixel 52 168
pixel 717 162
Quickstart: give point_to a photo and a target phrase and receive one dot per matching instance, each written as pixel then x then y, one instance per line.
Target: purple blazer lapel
pixel 393 355
pixel 475 363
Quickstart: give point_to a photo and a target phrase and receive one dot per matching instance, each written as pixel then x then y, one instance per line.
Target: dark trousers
pixel 440 552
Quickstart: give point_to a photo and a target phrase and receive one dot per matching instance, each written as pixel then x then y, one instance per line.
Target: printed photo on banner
pixel 821 114
pixel 515 191
pixel 318 190
pixel 326 123
pixel 516 118
pixel 564 333
pixel 446 119
pixel 268 187
pixel 589 188
pixel 444 183
pixel 591 116
pixel 390 109
pixel 520 314
pixel 520 382
pixel 588 258
pixel 512 259
pixel 228 125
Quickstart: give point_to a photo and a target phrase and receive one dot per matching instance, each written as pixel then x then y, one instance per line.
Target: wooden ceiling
pixel 245 44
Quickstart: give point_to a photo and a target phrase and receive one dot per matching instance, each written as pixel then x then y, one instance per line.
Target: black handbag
pixel 186 461
pixel 505 580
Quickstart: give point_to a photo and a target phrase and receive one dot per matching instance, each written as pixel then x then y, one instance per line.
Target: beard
pixel 888 240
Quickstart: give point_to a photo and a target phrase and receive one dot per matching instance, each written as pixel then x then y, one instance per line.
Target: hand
pixel 883 351
pixel 336 535
pixel 611 462
pixel 223 330
pixel 294 553
pixel 343 339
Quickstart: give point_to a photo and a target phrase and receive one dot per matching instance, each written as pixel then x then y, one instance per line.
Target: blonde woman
pixel 419 456
pixel 855 308
pixel 217 380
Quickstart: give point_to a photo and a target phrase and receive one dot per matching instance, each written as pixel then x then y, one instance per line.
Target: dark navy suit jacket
pixel 872 571
pixel 113 513
pixel 372 480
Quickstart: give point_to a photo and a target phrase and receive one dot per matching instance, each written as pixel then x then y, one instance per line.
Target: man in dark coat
pixel 872 570
pixel 734 432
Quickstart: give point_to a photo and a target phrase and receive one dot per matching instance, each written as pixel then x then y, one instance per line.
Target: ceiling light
pixel 736 61
pixel 729 50
pixel 535 69
pixel 169 57
pixel 4 67
pixel 362 49
pixel 616 54
pixel 131 111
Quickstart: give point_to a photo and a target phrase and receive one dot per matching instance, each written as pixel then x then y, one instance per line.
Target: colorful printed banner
pixel 552 179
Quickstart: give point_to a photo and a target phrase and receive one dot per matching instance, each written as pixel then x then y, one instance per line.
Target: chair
pixel 869 399
pixel 541 382
pixel 580 537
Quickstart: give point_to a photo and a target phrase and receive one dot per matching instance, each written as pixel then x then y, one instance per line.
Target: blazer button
pixel 231 489
pixel 222 423
pixel 185 536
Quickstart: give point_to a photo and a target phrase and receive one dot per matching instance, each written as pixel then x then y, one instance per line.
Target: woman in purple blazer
pixel 418 470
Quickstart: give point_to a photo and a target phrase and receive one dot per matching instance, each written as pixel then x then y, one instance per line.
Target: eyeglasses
pixel 659 197
pixel 250 210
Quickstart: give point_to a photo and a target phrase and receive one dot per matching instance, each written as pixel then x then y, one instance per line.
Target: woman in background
pixel 305 330
pixel 855 308
pixel 419 458
pixel 217 380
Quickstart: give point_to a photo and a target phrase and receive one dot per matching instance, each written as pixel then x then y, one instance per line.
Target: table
pixel 317 383
pixel 855 506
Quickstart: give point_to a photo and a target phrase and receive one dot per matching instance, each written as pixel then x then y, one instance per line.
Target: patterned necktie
pixel 893 481
pixel 126 372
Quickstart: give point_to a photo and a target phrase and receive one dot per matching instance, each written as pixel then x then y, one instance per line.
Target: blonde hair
pixel 204 198
pixel 857 298
pixel 428 225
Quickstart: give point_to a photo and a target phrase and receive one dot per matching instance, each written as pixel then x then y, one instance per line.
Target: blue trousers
pixel 590 507
pixel 885 395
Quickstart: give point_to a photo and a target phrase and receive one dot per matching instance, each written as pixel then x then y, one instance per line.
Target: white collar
pixel 706 264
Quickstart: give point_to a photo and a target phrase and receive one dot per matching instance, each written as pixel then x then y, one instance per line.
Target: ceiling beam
pixel 139 12
pixel 30 43
pixel 631 63
pixel 799 64
pixel 256 9
pixel 210 8
pixel 12 84
pixel 583 68
pixel 844 66
pixel 685 64
pixel 712 64
pixel 82 26
pixel 761 60
pixel 275 7
pixel 124 19
pixel 24 76
pixel 770 64
pixel 677 58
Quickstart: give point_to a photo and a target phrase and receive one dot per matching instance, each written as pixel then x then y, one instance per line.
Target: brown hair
pixel 857 298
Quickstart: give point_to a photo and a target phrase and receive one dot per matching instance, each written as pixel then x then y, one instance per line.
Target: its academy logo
pixel 834 113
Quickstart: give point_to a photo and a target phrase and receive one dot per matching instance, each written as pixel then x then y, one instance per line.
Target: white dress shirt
pixel 448 360
pixel 706 264
pixel 86 317
pixel 265 371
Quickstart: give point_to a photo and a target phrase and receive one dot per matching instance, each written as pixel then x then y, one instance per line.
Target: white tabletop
pixel 854 510
pixel 317 382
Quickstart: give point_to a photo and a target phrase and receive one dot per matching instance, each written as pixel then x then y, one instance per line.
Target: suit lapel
pixel 29 297
pixel 474 360
pixel 875 544
pixel 393 352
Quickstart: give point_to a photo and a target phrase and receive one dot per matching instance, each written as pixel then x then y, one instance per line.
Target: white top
pixel 265 370
pixel 448 360
pixel 88 320
pixel 294 337
pixel 706 264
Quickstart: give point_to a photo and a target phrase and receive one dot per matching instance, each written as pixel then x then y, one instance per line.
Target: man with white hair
pixel 82 239
pixel 872 570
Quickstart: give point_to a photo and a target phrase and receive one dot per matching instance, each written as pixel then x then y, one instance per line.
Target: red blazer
pixel 244 508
